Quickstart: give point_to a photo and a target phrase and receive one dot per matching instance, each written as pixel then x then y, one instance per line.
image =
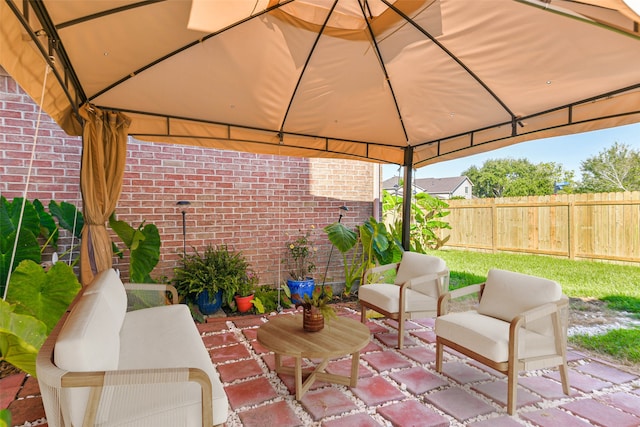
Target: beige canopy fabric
pixel 410 82
pixel 104 153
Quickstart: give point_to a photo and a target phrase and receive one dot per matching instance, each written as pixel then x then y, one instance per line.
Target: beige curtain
pixel 103 160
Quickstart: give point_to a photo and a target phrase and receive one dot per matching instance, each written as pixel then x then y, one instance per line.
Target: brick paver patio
pixel 395 388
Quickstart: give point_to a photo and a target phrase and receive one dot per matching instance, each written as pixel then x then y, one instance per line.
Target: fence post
pixel 572 233
pixel 494 226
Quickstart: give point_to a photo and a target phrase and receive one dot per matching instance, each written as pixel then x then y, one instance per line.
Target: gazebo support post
pixel 406 197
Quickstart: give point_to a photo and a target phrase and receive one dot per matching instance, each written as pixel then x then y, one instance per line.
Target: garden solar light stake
pixel 184 225
pixel 343 208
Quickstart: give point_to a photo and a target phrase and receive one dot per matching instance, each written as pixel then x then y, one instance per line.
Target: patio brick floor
pixel 397 388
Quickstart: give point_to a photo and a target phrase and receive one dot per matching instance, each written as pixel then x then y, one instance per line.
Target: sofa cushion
pixel 508 294
pixel 414 264
pixel 108 283
pixel 88 341
pixel 387 297
pixel 489 336
pixel 161 337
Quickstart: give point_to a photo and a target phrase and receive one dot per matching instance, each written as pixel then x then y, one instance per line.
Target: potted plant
pixel 315 307
pixel 245 293
pixel 211 279
pixel 299 263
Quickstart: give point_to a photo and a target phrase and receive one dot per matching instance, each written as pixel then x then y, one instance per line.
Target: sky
pixel 568 151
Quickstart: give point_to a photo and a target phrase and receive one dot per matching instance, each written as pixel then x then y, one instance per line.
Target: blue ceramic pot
pixel 300 288
pixel 209 306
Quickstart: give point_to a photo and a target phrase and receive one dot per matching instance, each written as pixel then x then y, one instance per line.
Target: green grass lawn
pixel 617 285
pixel 579 279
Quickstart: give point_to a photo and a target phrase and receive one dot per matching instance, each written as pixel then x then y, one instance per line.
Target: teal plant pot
pixel 209 306
pixel 300 288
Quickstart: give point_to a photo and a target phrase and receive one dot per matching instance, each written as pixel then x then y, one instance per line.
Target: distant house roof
pixel 433 186
pixel 441 185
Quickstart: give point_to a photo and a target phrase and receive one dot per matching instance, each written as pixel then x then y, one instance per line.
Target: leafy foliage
pixel 215 269
pixel 361 248
pixel 21 337
pixel 43 294
pixel 320 298
pixel 517 177
pixel 300 254
pixel 268 297
pixel 426 212
pixel 28 247
pixel 616 168
pixel 144 246
pixel 36 224
pixel 36 300
pixel 5 418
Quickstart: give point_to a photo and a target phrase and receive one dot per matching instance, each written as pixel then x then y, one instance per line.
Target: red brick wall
pixel 247 201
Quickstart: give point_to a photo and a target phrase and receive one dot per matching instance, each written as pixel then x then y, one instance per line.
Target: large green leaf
pixel 10 216
pixel 28 248
pixel 5 418
pixel 129 235
pixel 68 216
pixel 48 227
pixel 46 295
pixel 144 244
pixel 341 237
pixel 146 256
pixel 21 337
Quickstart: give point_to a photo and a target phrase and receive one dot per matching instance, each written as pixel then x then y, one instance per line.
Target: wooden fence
pixel 577 226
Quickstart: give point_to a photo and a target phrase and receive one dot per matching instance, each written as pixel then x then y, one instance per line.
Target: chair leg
pixel 512 388
pixel 439 351
pixel 564 377
pixel 400 331
pixel 363 314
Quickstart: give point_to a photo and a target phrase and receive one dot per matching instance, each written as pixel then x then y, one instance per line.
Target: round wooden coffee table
pixel 284 336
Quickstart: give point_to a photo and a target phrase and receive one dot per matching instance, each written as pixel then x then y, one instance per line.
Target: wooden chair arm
pixel 154 287
pixel 379 269
pixel 147 295
pixel 539 312
pixel 443 301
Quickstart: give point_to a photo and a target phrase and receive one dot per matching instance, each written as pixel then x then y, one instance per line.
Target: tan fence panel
pixel 578 226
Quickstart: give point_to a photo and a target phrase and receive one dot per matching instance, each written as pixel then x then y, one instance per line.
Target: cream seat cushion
pixel 387 297
pixel 489 336
pixel 161 332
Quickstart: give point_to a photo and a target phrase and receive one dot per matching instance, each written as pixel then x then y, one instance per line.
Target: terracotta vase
pixel 244 303
pixel 312 319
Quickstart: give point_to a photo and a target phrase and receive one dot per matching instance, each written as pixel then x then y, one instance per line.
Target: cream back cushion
pixel 88 341
pixel 108 284
pixel 414 264
pixel 508 294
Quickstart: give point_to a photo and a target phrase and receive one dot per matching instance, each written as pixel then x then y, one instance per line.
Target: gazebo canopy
pixel 410 82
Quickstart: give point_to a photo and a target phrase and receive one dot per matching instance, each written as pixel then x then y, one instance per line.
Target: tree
pixel 616 168
pixel 516 177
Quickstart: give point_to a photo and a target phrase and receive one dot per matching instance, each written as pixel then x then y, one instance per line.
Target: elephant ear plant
pixel 144 246
pixel 35 298
pixel 361 248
